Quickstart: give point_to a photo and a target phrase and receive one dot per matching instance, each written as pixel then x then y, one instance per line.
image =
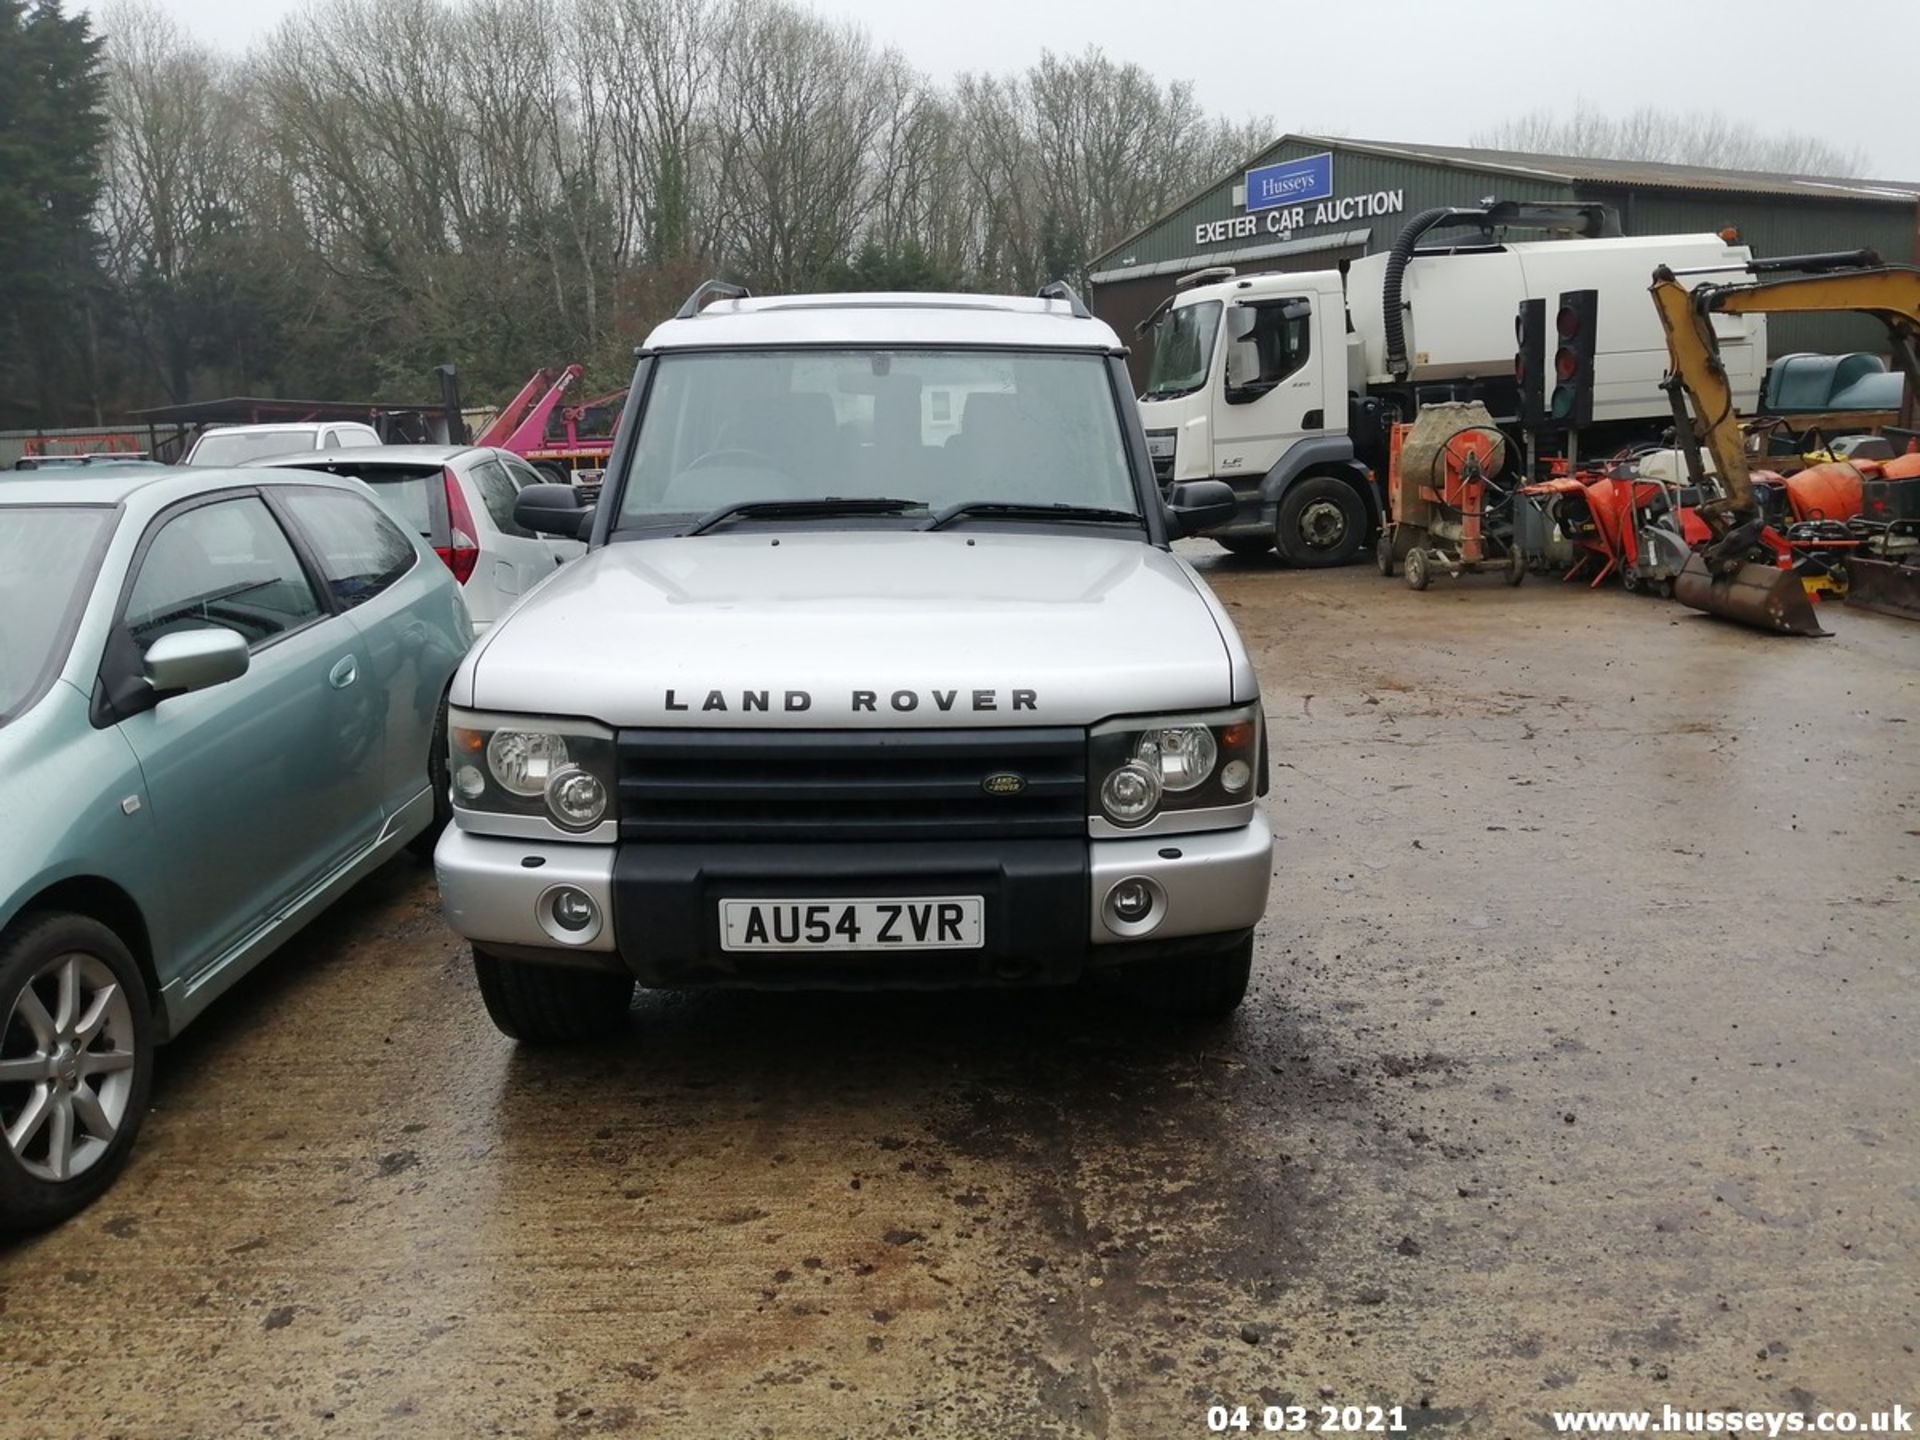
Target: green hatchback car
pixel 221 704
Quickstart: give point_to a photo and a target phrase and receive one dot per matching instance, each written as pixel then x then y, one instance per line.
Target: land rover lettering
pixel 859 701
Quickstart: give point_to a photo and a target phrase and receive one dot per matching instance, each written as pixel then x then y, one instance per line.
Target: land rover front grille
pixel 878 785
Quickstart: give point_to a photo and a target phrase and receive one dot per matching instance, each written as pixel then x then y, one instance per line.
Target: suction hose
pixel 1392 315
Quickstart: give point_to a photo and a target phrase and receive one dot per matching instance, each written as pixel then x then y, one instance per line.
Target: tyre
pixel 1383 553
pixel 551 1004
pixel 1417 573
pixel 552 474
pixel 1243 544
pixel 1323 522
pixel 438 779
pixel 76 1060
pixel 1196 987
pixel 1516 567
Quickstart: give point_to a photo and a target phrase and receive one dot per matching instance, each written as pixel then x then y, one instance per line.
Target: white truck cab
pixel 879 671
pixel 1283 385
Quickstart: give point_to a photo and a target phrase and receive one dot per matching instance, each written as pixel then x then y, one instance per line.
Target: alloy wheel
pixel 66 1066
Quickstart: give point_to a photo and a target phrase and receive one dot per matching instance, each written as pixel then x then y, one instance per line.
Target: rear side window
pixel 227 564
pixel 350 438
pixel 361 551
pixel 497 492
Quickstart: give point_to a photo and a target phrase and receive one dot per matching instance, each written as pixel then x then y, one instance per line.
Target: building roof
pixel 1557 170
pixel 886 319
pixel 1576 169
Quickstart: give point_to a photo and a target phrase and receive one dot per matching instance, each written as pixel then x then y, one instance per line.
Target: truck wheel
pixel 1244 544
pixel 1322 522
pixel 551 1004
pixel 76 1057
pixel 1383 553
pixel 1196 987
pixel 1417 576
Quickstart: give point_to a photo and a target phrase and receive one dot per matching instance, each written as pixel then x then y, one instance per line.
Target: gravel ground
pixel 1579 1070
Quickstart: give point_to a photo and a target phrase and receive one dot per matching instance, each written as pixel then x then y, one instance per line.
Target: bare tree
pixel 1674 137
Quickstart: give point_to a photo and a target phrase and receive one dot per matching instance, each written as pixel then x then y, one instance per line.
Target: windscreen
pixel 237 448
pixel 47 556
pixel 406 492
pixel 1182 349
pixel 937 427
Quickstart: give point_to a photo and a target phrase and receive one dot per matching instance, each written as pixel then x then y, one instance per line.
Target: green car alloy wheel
pixel 75 1062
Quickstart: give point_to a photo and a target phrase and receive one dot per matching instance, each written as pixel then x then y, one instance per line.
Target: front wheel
pixel 551 1004
pixel 1198 987
pixel 1322 522
pixel 76 1058
pixel 1516 567
pixel 1383 553
pixel 1417 575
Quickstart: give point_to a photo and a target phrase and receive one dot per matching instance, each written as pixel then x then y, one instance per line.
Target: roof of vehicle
pixel 367 455
pixel 108 487
pixel 279 427
pixel 886 319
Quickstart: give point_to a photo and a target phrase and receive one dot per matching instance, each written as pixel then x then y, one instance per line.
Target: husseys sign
pixel 1296 195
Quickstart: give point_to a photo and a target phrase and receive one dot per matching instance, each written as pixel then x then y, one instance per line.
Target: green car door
pixel 263 785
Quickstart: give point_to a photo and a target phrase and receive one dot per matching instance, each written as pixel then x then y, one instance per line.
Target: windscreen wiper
pixel 1015 510
pixel 782 509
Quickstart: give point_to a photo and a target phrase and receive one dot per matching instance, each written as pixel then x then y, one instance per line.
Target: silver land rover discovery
pixel 878 672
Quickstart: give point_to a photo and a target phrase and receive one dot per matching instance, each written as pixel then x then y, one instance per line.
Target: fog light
pixel 573 909
pixel 1132 900
pixel 469 782
pixel 1134 906
pixel 1234 776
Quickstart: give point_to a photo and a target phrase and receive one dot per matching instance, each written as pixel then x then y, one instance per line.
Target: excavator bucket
pixel 1884 585
pixel 1758 595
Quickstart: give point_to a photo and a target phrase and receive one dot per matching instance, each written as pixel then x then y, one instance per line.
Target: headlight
pixel 546 770
pixel 1182 755
pixel 1158 766
pixel 576 799
pixel 522 761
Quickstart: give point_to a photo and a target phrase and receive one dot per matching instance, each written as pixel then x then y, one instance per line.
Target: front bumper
pixel 1046 917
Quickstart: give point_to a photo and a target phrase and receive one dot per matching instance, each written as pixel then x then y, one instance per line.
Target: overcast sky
pixel 1413 70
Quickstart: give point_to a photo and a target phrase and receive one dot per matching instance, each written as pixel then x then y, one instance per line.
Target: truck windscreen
pixel 937 428
pixel 1183 349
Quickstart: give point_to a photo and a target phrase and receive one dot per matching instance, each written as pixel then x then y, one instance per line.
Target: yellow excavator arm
pixel 1853 281
pixel 1889 293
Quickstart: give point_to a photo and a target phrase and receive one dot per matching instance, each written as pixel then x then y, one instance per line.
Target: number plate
pixel 902 922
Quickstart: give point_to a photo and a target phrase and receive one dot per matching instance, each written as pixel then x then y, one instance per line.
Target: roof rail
pixel 1061 290
pixel 707 290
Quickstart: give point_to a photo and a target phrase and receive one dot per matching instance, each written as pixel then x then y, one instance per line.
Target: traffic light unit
pixel 1530 361
pixel 1572 404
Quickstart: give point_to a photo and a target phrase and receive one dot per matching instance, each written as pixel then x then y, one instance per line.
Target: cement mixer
pixel 1449 498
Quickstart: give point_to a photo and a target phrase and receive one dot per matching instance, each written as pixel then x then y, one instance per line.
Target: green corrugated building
pixel 1362 192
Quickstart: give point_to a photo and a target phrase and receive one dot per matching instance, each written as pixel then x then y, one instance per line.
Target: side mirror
pixel 194 660
pixel 553 510
pixel 1197 506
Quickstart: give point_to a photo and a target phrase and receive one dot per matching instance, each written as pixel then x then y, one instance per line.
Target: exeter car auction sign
pixel 1295 195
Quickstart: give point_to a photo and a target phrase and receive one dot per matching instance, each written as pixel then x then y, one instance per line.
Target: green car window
pixel 227 564
pixel 47 560
pixel 361 551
